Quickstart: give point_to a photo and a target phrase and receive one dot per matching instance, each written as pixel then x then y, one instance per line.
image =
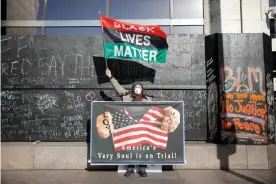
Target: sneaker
pixel 128 172
pixel 143 173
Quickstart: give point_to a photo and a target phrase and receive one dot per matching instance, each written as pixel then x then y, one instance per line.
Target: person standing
pixel 137 94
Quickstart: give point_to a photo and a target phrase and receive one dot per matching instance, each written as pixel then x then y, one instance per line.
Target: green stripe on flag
pixel 131 52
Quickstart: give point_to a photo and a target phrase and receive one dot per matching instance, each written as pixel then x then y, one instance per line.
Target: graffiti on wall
pixel 243 105
pixel 270 107
pixel 212 99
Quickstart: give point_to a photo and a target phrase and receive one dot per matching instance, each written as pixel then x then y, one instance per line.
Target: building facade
pixel 64 17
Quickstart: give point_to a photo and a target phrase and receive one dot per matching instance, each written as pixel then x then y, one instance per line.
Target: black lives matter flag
pixel 124 40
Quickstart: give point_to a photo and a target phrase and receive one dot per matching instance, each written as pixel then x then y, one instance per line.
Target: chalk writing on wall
pixel 45 102
pixel 194 112
pixel 32 66
pixel 66 62
pixel 62 115
pixel 243 106
pixel 212 99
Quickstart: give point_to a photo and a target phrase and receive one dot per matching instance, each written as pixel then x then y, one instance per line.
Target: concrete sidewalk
pixel 166 177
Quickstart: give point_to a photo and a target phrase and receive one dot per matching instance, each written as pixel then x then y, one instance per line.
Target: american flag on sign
pixel 131 132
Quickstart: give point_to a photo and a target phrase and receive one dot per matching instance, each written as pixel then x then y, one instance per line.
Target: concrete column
pixel 254 18
pixel 22 10
pixel 274 48
pixel 236 16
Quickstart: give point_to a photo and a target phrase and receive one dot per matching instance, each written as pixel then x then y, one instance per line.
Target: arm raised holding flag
pixel 118 88
pixel 170 119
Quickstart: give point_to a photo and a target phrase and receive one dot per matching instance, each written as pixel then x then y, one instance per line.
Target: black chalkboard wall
pixel 48 84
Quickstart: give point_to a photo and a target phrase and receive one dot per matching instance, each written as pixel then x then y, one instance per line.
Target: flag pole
pixel 102 38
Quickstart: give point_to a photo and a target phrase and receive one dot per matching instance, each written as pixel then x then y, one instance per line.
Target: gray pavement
pixel 166 177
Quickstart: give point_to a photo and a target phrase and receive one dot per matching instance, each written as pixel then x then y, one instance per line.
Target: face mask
pixel 137 91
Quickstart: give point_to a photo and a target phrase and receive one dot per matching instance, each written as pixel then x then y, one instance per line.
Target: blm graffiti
pixel 243 105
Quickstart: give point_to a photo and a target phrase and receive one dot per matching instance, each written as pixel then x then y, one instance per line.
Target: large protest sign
pixel 125 133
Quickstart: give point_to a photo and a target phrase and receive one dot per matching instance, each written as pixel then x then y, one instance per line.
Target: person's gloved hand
pixel 104 125
pixel 108 72
pixel 170 120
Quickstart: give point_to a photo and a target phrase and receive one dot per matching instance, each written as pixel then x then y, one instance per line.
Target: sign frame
pixel 183 162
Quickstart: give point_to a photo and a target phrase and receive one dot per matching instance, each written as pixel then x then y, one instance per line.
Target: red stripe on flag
pixel 133 137
pixel 138 144
pixel 149 123
pixel 153 115
pixel 158 109
pixel 139 129
pixel 129 27
pixel 146 118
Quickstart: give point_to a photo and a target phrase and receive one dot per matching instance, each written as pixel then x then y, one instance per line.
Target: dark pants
pixel 132 166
